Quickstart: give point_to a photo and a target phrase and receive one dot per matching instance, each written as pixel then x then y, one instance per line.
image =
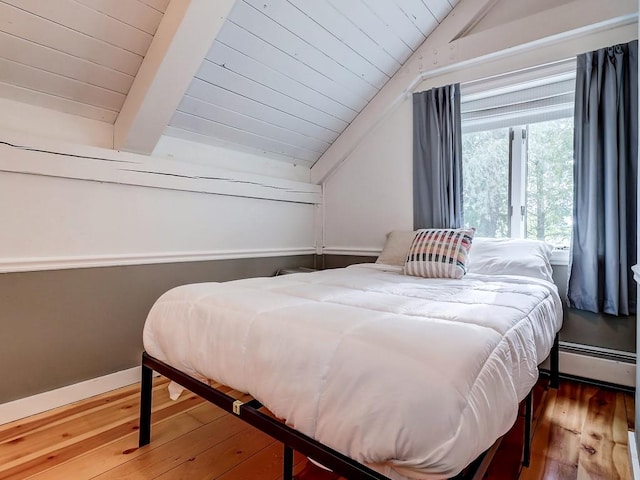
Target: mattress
pixel 413 377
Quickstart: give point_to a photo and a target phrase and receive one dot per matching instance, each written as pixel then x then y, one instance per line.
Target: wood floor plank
pixel 30 429
pixel 620 427
pixel 43 441
pixel 114 454
pixel 220 458
pixel 21 427
pixel 597 439
pixel 630 404
pixel 265 465
pixel 157 461
pixel 566 425
pixel 206 413
pixel 580 435
pixel 546 462
pixel 60 452
pixel 621 462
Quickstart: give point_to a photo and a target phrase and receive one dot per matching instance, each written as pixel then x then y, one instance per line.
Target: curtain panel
pixel 437 158
pixel 605 181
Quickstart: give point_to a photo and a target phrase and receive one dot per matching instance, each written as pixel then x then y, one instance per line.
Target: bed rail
pixel 249 412
pixel 294 440
pixel 290 438
pixel 554 363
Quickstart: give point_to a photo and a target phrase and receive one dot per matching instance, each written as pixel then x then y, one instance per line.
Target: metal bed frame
pixel 294 440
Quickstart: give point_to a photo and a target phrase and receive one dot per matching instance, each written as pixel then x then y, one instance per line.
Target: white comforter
pixel 414 377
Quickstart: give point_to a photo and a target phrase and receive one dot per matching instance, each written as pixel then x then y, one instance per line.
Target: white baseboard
pixel 25 407
pixel 594 368
pixel 633 456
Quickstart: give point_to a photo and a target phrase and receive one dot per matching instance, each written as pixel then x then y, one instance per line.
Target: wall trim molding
pixel 600 352
pixel 357 251
pixel 42 402
pixel 14 265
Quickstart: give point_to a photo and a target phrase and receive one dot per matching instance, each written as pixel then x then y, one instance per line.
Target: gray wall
pixel 62 327
pixel 595 329
pixel 339 261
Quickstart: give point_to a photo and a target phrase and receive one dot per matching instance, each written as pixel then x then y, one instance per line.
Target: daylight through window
pixel 517 152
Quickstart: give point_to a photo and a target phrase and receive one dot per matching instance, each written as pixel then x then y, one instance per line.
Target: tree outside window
pixel 540 203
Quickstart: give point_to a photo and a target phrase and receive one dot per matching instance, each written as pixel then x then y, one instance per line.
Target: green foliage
pixel 485 178
pixel 549 181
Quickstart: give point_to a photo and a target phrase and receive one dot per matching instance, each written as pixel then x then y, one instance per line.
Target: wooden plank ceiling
pixel 75 56
pixel 286 77
pixel 283 77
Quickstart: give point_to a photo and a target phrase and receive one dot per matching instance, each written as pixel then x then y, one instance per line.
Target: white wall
pixel 369 192
pixel 372 192
pixel 61 222
pixel 67 200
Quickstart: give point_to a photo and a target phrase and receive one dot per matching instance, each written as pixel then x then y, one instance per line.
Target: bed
pixel 372 372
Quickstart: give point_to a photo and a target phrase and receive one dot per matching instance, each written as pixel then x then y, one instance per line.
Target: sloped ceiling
pixel 287 77
pixel 283 77
pixel 75 56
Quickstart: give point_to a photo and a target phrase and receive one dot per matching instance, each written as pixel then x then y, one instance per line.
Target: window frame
pixel 535 77
pixel 517 189
pixel 517 202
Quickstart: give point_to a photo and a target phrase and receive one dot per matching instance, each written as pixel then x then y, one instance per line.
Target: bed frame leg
pixel 145 406
pixel 528 422
pixel 287 473
pixel 555 364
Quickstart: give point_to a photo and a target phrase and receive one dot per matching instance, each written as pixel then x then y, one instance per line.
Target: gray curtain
pixel 605 176
pixel 437 158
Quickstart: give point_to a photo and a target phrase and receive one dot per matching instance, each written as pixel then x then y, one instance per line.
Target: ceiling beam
pixel 186 32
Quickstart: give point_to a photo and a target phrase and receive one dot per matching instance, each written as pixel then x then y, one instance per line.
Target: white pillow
pixel 396 247
pixel 511 256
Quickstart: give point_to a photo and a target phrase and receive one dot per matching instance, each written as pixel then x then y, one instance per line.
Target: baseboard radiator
pixel 615 367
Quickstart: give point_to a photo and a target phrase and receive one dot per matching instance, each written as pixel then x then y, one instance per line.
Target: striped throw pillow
pixel 439 253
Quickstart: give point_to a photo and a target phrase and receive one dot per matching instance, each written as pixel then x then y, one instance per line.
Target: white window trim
pixel 501 84
pixel 560 256
pixel 517 181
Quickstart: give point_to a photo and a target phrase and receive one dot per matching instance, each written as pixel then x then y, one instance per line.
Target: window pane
pixel 550 181
pixel 485 173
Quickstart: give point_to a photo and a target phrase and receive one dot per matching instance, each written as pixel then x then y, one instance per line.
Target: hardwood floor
pixel 581 433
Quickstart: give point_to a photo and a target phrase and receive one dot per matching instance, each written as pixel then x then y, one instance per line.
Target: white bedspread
pixel 414 377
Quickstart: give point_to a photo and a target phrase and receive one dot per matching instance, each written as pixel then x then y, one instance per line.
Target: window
pixel 485 173
pixel 549 177
pixel 517 154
